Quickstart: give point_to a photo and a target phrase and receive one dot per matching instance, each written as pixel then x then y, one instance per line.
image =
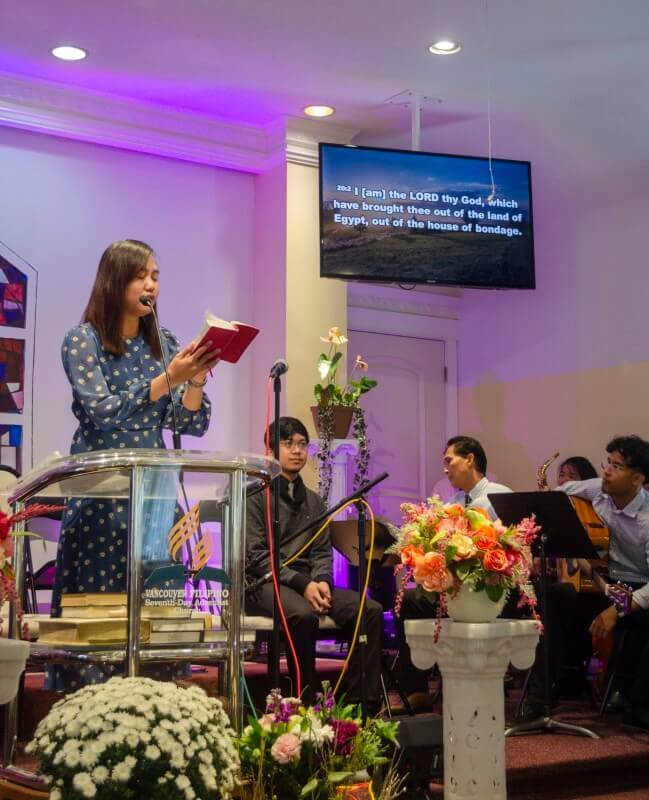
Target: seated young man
pixel 465 465
pixel 306 586
pixel 573 618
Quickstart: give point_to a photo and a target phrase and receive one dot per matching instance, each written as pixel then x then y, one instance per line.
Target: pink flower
pixel 345 732
pixel 266 721
pixel 527 529
pixel 286 748
pixel 514 559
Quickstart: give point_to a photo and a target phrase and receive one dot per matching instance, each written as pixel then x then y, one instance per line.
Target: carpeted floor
pixel 540 766
pixel 553 766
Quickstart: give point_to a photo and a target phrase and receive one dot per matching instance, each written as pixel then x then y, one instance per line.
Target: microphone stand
pixel 358 495
pixel 175 435
pixel 276 538
pixel 363 566
pixel 330 512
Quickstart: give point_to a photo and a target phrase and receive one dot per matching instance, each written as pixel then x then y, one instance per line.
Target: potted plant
pixel 319 752
pixel 338 407
pixel 470 561
pixel 137 738
pixel 13 652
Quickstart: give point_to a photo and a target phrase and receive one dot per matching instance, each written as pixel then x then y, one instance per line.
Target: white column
pixel 472 658
pixel 342 453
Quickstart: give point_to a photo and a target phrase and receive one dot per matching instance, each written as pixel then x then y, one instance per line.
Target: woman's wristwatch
pixel 197 384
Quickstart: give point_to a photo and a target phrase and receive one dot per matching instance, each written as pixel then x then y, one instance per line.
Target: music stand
pixel 562 536
pixel 344 537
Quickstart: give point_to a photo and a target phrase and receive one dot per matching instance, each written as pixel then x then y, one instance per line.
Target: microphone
pixel 175 435
pixel 278 368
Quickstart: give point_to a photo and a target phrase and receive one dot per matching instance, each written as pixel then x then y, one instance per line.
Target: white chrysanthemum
pixel 55 795
pixel 182 782
pixel 132 740
pixel 162 719
pixel 152 753
pixel 100 774
pixel 87 757
pixel 121 773
pixel 82 782
pixel 208 775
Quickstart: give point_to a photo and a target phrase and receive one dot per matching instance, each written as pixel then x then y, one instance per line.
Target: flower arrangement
pixel 137 738
pixel 328 394
pixel 297 752
pixel 446 546
pixel 7 573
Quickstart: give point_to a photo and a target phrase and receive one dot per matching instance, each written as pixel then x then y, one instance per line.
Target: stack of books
pixel 101 618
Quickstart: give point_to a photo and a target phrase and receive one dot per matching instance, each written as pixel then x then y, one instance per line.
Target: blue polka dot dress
pixel 110 398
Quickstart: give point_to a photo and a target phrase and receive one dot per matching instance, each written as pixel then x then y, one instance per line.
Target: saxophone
pixel 542 474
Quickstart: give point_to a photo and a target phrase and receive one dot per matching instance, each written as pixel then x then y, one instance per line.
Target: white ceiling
pixel 580 67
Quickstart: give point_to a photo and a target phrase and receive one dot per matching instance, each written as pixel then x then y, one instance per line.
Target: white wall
pixel 564 367
pixel 63 202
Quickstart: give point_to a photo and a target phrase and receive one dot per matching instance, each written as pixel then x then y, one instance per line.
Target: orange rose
pixel 484 542
pixel 430 572
pixel 410 553
pixel 495 560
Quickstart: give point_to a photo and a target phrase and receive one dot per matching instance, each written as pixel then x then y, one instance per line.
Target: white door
pixel 405 416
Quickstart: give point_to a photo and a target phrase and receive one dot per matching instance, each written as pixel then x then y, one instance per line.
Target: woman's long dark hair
pixel 582 466
pixel 119 265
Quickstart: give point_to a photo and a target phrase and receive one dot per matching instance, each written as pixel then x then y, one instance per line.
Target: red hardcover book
pixel 232 338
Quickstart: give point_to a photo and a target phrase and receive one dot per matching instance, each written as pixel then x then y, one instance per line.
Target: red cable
pixel 276 589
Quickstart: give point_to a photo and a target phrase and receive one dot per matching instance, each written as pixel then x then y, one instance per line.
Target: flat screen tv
pixel 401 216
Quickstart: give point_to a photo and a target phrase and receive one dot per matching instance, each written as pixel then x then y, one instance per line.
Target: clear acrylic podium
pixel 201 496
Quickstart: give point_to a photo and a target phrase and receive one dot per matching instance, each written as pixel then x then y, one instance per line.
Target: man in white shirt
pixel 465 465
pixel 623 505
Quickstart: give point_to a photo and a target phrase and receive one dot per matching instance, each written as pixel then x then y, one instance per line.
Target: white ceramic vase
pixel 468 606
pixel 13 657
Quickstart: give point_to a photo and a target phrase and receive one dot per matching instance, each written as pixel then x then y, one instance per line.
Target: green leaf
pixel 365 384
pixel 338 777
pixel 494 592
pixel 449 554
pixel 462 569
pixel 310 787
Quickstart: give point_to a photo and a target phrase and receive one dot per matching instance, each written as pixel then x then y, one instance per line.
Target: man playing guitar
pixel 623 505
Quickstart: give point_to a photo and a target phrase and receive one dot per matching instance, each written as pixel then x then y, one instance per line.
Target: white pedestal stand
pixel 472 658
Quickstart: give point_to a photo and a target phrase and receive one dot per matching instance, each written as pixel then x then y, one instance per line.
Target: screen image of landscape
pixel 411 217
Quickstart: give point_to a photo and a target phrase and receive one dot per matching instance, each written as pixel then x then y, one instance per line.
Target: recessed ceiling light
pixel 445 47
pixel 68 52
pixel 319 111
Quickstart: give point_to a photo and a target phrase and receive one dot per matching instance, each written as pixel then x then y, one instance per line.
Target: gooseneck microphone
pixel 175 434
pixel 278 368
